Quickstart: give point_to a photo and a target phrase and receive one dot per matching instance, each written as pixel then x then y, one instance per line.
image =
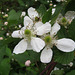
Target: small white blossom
pixel 23 14
pixel 7 34
pixel 70 64
pixel 69 16
pixel 1 38
pixel 5 23
pixel 53 11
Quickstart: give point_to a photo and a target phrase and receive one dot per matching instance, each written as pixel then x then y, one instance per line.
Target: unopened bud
pixel 27 63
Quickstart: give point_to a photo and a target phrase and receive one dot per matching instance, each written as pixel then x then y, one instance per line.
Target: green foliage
pixel 41 10
pixel 2 52
pixel 13 17
pixel 21 2
pixel 28 55
pixel 71 30
pixel 57 72
pixel 5 67
pixel 47 16
pixel 71 72
pixel 63 57
pixel 14 64
pixel 58 10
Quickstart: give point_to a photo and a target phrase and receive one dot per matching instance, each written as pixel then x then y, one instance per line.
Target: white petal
pixel 38 24
pixel 27 21
pixel 53 11
pixel 46 55
pixel 55 29
pixel 65 45
pixel 70 15
pixel 37 44
pixel 20 47
pixel 45 28
pixel 32 13
pixel 16 34
pixel 59 18
pixel 58 0
pixel 23 14
pixel 29 47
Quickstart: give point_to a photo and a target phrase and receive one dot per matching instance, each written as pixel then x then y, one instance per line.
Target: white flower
pixel 70 64
pixel 69 16
pixel 32 13
pixel 5 23
pixel 53 11
pixel 29 32
pixel 23 14
pixel 60 0
pixel 64 44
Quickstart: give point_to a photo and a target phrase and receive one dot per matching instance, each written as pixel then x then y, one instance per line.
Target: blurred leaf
pixel 2 52
pixel 1 23
pixel 5 67
pixel 57 11
pixel 32 71
pixel 63 57
pixel 43 1
pixel 70 6
pixel 71 72
pixel 8 52
pixel 62 33
pixel 47 16
pixel 21 2
pixel 71 30
pixel 41 10
pixel 13 17
pixel 57 72
pixel 28 55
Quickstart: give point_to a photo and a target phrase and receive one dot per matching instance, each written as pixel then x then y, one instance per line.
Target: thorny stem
pixel 52 63
pixel 51 68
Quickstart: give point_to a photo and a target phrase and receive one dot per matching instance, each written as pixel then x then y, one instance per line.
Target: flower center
pixel 27 32
pixel 36 18
pixel 64 20
pixel 48 39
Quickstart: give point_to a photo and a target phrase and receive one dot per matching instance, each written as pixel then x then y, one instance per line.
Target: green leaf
pixel 41 10
pixel 57 72
pixel 13 17
pixel 71 30
pixel 8 52
pixel 62 33
pixel 47 16
pixel 63 57
pixel 55 15
pixel 71 72
pixel 2 52
pixel 21 2
pixel 28 55
pixel 5 67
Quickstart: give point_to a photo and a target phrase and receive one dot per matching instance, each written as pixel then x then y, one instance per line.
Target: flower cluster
pixel 37 36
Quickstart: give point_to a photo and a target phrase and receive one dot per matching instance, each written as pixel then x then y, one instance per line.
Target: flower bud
pixel 27 63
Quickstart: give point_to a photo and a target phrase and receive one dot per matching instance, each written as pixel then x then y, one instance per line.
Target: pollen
pixel 47 39
pixel 27 32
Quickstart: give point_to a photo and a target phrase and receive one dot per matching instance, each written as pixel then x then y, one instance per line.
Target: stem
pixel 51 68
pixel 46 68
